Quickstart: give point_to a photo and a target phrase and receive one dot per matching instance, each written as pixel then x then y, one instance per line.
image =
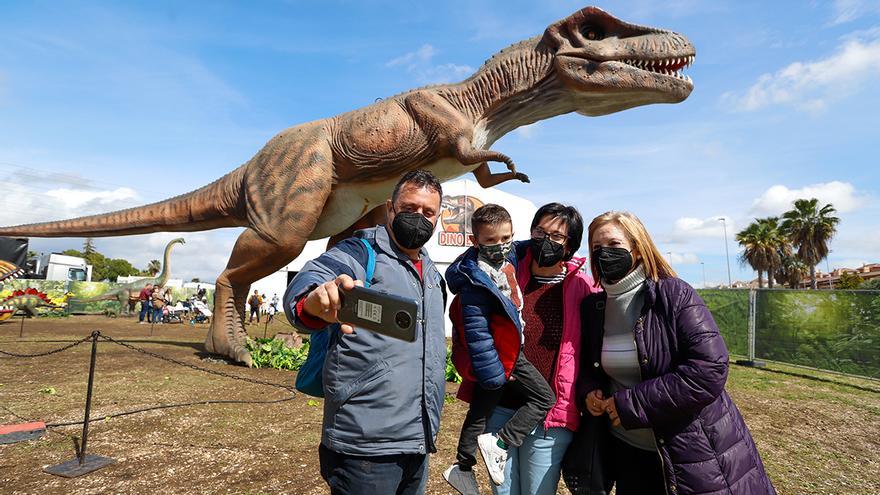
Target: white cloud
pixel 77 199
pixel 682 258
pixel 419 63
pixel 687 228
pixel 810 86
pixel 412 59
pixel 778 199
pixel 844 11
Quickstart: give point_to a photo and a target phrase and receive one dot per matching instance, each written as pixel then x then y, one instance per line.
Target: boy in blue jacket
pixel 487 348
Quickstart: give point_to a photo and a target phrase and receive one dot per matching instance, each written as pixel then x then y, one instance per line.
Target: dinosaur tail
pixel 219 204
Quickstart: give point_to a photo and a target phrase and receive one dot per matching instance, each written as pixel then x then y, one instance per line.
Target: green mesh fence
pixel 730 308
pixel 836 330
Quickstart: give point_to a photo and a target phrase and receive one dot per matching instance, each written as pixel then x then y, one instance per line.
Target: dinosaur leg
pixel 374 217
pixel 285 224
pixel 252 259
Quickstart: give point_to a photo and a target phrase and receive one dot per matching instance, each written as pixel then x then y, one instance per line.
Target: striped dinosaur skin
pixel 331 176
pixel 26 301
pixel 131 290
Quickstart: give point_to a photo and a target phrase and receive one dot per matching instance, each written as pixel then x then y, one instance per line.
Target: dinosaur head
pixel 178 240
pixel 599 55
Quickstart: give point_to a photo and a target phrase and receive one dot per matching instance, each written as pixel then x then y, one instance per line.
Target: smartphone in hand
pixel 379 312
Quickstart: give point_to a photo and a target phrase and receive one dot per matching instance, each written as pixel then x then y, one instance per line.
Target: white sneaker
pixel 463 481
pixel 494 456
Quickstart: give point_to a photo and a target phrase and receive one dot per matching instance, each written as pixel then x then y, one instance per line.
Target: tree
pixel 154 267
pixel 810 229
pixel 792 270
pixel 849 281
pixel 89 247
pixel 873 284
pixel 32 254
pixel 195 280
pixel 762 242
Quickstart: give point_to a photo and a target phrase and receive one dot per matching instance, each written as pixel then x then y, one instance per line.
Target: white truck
pixel 56 266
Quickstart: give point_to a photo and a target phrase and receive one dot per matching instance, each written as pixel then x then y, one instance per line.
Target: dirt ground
pixel 817 433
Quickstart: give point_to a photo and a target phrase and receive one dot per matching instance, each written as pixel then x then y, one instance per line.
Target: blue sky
pixel 111 105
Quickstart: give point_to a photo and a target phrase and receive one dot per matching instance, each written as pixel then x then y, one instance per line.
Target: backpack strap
pixel 371 262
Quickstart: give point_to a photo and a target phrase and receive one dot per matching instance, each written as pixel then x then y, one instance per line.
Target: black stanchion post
pixel 83 464
pixel 21 328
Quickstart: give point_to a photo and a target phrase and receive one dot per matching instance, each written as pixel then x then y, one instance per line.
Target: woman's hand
pixel 596 403
pixel 610 407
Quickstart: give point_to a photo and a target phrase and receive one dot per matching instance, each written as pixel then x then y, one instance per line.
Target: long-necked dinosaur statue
pixel 131 290
pixel 327 177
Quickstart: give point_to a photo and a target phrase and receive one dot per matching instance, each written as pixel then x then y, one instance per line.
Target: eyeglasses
pixel 538 233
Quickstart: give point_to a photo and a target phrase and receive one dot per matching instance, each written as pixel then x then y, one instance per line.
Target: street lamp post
pixel 727 252
pixel 703 265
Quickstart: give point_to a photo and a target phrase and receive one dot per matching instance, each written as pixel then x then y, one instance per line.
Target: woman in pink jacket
pixel 553 286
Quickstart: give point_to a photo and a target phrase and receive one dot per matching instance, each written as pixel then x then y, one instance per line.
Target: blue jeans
pixel 401 474
pixel 535 466
pixel 157 315
pixel 145 311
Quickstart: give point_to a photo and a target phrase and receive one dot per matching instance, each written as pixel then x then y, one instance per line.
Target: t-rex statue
pixel 131 290
pixel 330 176
pixel 27 301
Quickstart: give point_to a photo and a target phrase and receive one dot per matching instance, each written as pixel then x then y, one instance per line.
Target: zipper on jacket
pixel 641 329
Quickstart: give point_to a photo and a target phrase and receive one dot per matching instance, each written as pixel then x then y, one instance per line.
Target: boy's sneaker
pixel 494 456
pixel 463 481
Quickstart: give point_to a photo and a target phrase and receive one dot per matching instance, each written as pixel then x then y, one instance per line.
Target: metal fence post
pixel 83 463
pixel 753 315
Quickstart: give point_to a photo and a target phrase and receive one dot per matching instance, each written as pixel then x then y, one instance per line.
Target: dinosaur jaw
pixel 603 87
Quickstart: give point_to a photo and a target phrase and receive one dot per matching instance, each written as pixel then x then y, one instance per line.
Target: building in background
pixel 868 271
pixel 460 199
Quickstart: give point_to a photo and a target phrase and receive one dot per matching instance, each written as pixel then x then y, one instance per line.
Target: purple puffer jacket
pixel 704 444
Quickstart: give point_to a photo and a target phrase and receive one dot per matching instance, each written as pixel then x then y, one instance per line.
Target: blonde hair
pixel 656 267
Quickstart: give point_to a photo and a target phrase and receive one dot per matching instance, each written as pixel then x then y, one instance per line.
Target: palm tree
pixel 762 242
pixel 792 270
pixel 154 267
pixel 810 229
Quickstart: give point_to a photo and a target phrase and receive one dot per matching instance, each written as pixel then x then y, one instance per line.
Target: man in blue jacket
pixel 383 396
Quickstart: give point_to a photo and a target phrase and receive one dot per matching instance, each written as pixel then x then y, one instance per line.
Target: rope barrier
pixel 287 388
pixel 47 353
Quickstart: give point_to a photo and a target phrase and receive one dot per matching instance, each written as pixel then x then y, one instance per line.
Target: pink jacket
pixel 576 286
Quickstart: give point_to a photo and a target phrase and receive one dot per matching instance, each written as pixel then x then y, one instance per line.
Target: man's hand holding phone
pixel 324 301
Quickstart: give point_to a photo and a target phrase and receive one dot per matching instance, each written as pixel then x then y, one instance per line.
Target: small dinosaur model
pixel 123 293
pixel 331 176
pixel 27 301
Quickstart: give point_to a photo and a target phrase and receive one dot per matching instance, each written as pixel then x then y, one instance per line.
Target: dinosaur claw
pixel 523 178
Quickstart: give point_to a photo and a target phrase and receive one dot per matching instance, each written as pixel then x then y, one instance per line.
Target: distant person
pixel 146 309
pixel 488 337
pixel 264 303
pixel 201 293
pixel 655 364
pixel 158 302
pixel 254 303
pixel 274 303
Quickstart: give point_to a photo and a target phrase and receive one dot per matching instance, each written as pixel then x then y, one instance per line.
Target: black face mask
pixel 613 263
pixel 546 252
pixel 412 230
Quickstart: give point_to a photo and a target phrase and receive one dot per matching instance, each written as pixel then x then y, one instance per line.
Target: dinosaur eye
pixel 592 33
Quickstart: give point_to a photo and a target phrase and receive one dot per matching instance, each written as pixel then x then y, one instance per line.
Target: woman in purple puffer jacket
pixel 655 364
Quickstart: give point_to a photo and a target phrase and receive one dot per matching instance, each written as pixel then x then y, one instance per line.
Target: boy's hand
pixel 324 301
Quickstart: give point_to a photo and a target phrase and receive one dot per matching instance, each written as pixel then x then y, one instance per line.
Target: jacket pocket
pixel 345 392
